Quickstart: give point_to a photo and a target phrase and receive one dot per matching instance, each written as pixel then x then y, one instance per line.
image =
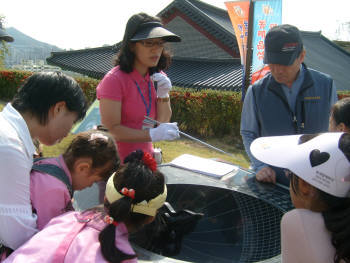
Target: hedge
pixel 206 113
pixel 11 80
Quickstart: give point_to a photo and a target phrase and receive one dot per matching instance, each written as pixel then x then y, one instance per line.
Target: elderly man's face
pixel 287 74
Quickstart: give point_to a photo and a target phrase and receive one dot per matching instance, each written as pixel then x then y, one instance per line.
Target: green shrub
pixel 88 85
pixel 207 113
pixel 343 94
pixel 11 80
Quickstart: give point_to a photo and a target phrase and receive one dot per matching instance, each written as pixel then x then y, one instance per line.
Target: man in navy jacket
pixel 291 99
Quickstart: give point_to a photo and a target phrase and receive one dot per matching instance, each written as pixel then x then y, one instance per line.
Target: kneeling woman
pixel 318 229
pixel 133 195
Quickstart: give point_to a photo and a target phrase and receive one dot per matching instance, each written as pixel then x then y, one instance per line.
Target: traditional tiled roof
pixel 325 56
pixel 93 62
pixel 194 73
pixel 206 74
pixel 213 20
pixel 208 55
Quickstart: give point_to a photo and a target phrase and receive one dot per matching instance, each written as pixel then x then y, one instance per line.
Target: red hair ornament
pixel 149 161
pixel 128 192
pixel 109 220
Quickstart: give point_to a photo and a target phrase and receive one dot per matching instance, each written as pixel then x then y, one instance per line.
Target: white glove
pixel 163 84
pixel 164 132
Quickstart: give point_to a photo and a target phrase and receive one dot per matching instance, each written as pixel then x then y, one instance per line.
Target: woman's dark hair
pixel 125 57
pixel 340 112
pixel 43 90
pixel 94 144
pixel 133 174
pixel 337 215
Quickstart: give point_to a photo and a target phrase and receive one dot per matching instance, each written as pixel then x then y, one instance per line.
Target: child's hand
pixel 266 174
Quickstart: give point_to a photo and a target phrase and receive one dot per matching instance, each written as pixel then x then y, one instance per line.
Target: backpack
pixel 54 171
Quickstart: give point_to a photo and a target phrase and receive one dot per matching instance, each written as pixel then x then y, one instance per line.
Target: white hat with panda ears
pixel 318 161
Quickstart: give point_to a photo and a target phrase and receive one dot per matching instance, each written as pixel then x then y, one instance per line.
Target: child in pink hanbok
pixel 133 196
pixel 91 157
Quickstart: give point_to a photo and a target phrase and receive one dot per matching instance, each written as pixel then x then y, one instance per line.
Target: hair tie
pixel 110 220
pixel 149 161
pixel 128 192
pixel 95 136
pixel 149 207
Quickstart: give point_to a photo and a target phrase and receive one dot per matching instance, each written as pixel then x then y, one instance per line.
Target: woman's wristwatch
pixel 166 99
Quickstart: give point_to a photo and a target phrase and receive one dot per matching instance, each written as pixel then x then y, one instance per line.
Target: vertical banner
pixel 267 14
pixel 239 14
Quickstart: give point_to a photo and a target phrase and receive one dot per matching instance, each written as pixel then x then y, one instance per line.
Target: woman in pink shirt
pixel 101 234
pixel 136 87
pixel 317 231
pixel 91 157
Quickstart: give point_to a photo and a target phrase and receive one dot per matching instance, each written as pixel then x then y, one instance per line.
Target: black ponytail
pixel 107 236
pixel 134 174
pixel 337 217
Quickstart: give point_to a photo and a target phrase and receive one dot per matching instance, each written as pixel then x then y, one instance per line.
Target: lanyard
pixel 148 108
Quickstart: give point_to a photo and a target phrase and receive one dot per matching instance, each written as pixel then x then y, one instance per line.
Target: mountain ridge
pixel 25 47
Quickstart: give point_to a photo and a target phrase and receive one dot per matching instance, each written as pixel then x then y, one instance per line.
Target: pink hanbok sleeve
pixel 122 242
pixel 49 197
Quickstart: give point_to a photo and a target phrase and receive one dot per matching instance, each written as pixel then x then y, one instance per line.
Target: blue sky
pixel 79 24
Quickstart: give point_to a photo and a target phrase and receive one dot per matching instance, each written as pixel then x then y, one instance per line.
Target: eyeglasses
pixel 150 43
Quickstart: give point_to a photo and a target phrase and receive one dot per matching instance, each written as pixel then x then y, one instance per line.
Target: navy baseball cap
pixel 151 30
pixel 283 44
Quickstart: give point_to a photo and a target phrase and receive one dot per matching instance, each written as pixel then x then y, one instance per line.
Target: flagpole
pixel 248 62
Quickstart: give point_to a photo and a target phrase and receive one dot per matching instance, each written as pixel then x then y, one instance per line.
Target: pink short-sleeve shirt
pixel 121 86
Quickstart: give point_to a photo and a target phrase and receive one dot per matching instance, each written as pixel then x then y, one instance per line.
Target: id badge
pixel 146 127
pixel 146 124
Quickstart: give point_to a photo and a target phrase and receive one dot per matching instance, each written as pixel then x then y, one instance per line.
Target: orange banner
pixel 239 14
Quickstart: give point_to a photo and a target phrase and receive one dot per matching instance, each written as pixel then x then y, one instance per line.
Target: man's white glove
pixel 163 84
pixel 164 132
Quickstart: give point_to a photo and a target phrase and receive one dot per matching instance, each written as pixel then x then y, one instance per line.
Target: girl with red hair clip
pixel 133 195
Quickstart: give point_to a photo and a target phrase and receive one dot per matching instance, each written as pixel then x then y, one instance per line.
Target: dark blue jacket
pixel 266 111
pixel 311 111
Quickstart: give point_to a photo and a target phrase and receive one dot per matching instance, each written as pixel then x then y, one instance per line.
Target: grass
pixel 173 149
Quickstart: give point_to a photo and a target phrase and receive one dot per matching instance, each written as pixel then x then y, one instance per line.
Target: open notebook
pixel 203 165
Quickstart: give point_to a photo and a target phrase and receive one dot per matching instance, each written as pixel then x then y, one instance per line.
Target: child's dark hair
pixel 97 145
pixel 133 174
pixel 125 57
pixel 337 215
pixel 340 112
pixel 43 90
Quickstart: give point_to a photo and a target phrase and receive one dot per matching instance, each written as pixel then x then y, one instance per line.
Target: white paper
pixel 203 165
